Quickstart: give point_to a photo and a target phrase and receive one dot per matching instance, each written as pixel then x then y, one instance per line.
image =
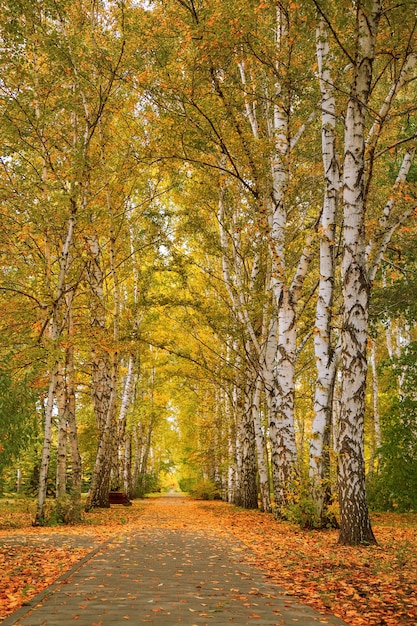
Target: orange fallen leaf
pixel 363 586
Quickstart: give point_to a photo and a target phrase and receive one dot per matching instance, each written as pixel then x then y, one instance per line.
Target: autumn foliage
pixel 198 201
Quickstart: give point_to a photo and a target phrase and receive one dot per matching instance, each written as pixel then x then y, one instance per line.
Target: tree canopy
pixel 208 217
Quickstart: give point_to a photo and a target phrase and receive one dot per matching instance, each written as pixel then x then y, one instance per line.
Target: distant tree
pixel 394 485
pixel 18 420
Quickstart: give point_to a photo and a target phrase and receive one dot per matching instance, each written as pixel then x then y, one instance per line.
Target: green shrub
pixel 65 511
pixel 18 417
pixel 69 510
pixel 394 486
pixel 187 484
pixel 205 489
pixel 147 483
pixel 304 513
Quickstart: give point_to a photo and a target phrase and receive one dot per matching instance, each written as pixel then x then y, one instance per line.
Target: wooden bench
pixel 119 497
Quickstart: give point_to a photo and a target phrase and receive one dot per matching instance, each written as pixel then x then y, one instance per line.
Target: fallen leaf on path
pixel 364 586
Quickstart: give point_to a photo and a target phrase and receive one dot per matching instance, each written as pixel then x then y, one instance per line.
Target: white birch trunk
pixel 324 353
pixel 61 401
pixel 250 435
pixel 376 439
pixel 247 495
pixel 237 419
pixel 403 340
pixel 127 465
pixel 103 390
pixel 355 526
pixel 127 396
pixel 64 262
pixel 76 476
pixel 233 276
pixel 268 377
pixel 113 434
pixel 18 480
pixel 280 387
pixel 282 432
pixel 46 450
pixel 54 332
pixel 144 455
pixel 233 444
pixel 137 447
pixel 231 471
pixel 286 293
pixel 281 427
pixel 261 451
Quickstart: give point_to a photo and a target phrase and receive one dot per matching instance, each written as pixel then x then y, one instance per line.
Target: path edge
pixel 14 617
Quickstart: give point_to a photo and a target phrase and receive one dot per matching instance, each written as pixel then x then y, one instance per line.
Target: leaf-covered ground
pixel 33 558
pixel 364 586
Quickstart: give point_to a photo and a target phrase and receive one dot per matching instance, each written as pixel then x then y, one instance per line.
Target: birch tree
pixel 355 524
pixel 325 352
pixel 246 117
pixel 240 280
pixel 359 266
pixel 41 147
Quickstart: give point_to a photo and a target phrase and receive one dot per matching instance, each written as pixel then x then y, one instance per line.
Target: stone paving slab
pixel 164 577
pixel 57 540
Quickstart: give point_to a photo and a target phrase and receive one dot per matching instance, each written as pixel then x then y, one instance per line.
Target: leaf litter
pixel 372 586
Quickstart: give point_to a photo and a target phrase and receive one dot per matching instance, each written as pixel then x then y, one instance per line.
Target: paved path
pixel 164 577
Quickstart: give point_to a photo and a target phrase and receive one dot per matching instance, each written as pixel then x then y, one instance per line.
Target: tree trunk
pixel 137 441
pixel 261 452
pixel 104 407
pixel 61 469
pixel 355 526
pixel 103 391
pixel 142 441
pixel 54 332
pixel 76 466
pixel 281 427
pixel 127 465
pixel 231 472
pixel 232 480
pixel 46 450
pixel 247 496
pixel 319 459
pixel 128 391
